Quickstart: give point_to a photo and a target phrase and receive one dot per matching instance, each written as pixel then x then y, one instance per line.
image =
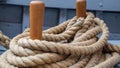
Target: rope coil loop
pixel 4 40
pixel 72 44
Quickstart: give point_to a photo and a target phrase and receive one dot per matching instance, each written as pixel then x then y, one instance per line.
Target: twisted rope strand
pixel 68 45
pixel 4 40
pixel 109 62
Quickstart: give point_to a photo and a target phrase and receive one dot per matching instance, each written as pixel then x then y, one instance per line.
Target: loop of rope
pixel 72 44
pixel 4 40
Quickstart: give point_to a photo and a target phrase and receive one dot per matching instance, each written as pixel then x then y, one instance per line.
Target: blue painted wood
pixel 11 29
pixel 2 49
pixel 112 20
pixel 63 15
pixel 51 17
pixel 25 18
pixel 10 13
pixel 1 0
pixel 117 42
pixel 71 13
pixel 105 5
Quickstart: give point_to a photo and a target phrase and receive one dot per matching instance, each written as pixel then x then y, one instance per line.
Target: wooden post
pixel 36 19
pixel 80 8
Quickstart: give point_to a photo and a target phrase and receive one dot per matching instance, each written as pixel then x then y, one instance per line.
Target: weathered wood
pixel 81 8
pixel 36 19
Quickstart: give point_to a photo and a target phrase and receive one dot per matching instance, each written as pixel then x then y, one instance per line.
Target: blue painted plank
pixel 10 13
pixel 106 5
pixel 117 42
pixel 10 29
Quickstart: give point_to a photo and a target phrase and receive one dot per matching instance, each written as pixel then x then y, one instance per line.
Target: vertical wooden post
pixel 80 8
pixel 36 19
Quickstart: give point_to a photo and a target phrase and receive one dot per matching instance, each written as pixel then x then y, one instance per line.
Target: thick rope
pixel 72 44
pixel 4 40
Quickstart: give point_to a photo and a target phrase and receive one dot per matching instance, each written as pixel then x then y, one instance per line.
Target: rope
pixel 4 40
pixel 72 44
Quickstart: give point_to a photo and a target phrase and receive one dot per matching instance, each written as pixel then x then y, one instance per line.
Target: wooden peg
pixel 80 8
pixel 36 19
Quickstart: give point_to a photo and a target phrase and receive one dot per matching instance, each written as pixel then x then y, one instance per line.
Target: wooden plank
pixel 10 13
pixel 25 20
pixel 112 20
pixel 10 29
pixel 51 17
pixel 71 13
pixel 103 5
pixel 63 15
pixel 2 49
pixel 117 42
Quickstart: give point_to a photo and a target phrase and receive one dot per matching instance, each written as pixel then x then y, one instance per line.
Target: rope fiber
pixel 73 44
pixel 4 40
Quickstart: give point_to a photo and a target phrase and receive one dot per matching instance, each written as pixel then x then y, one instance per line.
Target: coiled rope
pixel 72 44
pixel 4 40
